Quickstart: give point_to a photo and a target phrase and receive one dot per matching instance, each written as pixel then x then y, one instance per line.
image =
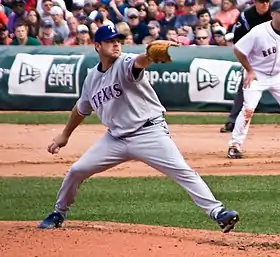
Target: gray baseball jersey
pixel 122 102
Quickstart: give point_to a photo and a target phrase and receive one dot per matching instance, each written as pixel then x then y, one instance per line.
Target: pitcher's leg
pixel 106 153
pixel 159 151
pixel 252 97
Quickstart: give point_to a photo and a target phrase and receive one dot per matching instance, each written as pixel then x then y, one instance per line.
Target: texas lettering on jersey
pixel 106 94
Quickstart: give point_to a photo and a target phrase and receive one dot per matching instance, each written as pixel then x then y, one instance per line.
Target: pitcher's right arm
pixel 81 109
pixel 73 122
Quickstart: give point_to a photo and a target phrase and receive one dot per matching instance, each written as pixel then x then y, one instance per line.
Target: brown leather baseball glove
pixel 157 50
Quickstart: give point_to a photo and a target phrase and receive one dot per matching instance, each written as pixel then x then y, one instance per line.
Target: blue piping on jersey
pixel 246 24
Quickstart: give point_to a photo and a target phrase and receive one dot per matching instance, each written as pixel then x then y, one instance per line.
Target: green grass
pixel 61 118
pixel 156 201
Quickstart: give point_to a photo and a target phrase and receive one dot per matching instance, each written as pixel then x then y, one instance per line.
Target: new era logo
pixel 206 79
pixel 28 73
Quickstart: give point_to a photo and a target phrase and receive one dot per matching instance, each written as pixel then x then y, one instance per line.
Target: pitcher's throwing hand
pixel 58 142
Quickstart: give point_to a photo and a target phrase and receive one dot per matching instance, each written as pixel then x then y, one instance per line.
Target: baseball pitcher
pixel 118 91
pixel 258 52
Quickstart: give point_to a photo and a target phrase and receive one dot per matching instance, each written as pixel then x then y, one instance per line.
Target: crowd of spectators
pixel 58 22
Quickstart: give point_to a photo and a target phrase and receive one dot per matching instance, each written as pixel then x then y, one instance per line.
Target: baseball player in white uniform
pixel 118 91
pixel 258 52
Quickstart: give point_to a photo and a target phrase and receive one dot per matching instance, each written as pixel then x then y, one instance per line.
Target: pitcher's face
pixel 110 48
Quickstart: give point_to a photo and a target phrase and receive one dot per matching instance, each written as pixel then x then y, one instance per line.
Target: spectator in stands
pixel 4 37
pixel 207 27
pixel 93 28
pixel 96 17
pixel 72 23
pixel 171 35
pixel 95 20
pixel 46 9
pixel 132 3
pixel 181 7
pixel 242 5
pixel 47 35
pixel 61 3
pixel 18 15
pixel 117 10
pixel 183 41
pixel 261 7
pixel 154 12
pixel 204 18
pixel 168 21
pixel 128 40
pixel 219 36
pixel 103 9
pixel 30 4
pixel 82 18
pixel 202 37
pixel 7 3
pixel 228 13
pixel 190 18
pixel 154 32
pixel 82 37
pixel 3 16
pixel 78 7
pixel 89 6
pixel 33 22
pixel 138 29
pixel 123 28
pixel 60 25
pixel 5 9
pixel 215 23
pixel 213 6
pixel 198 26
pixel 21 36
pixel 186 31
pixel 142 8
pixel 229 37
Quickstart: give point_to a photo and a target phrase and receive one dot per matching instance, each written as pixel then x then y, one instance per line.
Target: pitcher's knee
pixel 82 170
pixel 78 171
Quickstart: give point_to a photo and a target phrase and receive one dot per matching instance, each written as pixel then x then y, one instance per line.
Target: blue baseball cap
pixel 107 32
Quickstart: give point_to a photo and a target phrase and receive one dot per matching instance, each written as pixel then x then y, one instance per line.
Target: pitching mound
pixel 117 240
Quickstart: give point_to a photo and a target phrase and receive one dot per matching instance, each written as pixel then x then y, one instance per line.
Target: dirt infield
pixel 23 153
